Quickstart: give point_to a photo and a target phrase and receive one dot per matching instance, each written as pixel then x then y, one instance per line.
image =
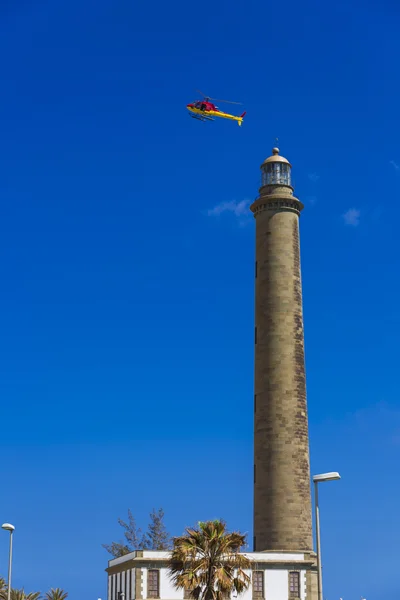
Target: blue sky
pixel 127 262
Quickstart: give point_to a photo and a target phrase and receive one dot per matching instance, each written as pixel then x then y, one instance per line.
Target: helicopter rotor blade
pixel 225 101
pixel 216 99
pixel 204 96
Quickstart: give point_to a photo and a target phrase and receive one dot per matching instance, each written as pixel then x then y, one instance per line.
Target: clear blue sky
pixel 126 302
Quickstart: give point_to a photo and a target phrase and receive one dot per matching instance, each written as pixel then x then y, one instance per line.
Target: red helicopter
pixel 204 110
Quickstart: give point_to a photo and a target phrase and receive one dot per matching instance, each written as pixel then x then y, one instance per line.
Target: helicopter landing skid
pixel 202 117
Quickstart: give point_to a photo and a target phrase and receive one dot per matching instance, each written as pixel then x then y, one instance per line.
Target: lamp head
pixel 326 477
pixel 8 527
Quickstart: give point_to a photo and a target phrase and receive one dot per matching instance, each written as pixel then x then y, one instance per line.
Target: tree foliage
pixel 155 538
pixel 20 595
pixel 56 594
pixel 207 561
pixel 53 594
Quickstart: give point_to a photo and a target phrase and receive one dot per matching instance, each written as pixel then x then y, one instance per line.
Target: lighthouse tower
pixel 282 496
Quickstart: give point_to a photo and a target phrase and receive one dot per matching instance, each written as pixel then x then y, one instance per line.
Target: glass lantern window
pixel 276 173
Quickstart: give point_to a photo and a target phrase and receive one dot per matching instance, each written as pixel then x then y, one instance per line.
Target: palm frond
pixel 207 561
pixel 56 594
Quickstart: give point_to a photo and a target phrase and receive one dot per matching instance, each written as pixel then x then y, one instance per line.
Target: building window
pixel 294 584
pixel 153 583
pixel 258 584
pixel 255 403
pixel 276 173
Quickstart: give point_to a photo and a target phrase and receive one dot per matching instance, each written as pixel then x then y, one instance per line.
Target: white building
pixel 144 575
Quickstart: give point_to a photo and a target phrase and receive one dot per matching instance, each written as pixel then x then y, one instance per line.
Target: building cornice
pixel 278 560
pixel 276 203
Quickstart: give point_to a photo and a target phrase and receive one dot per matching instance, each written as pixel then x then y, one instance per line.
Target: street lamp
pixel 10 528
pixel 319 479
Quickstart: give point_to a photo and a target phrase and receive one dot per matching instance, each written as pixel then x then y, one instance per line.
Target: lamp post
pixel 319 479
pixel 10 528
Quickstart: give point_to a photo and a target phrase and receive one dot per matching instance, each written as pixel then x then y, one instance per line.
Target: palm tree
pixel 56 594
pixel 207 562
pixel 21 595
pixel 3 589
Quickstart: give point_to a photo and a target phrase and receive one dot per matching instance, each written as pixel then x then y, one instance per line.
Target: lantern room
pixel 276 170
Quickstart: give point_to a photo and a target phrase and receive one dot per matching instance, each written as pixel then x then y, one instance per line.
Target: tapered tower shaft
pixel 282 496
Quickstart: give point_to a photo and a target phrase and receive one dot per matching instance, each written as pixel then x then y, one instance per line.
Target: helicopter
pixel 205 110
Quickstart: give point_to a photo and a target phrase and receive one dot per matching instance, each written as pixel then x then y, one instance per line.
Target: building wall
pixel 123 577
pixel 124 581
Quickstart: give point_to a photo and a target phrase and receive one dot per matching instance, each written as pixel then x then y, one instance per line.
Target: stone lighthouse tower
pixel 282 495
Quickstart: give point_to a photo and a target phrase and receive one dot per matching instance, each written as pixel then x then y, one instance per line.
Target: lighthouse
pixel 282 495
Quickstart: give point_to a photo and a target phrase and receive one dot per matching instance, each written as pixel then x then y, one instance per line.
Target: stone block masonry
pixel 282 496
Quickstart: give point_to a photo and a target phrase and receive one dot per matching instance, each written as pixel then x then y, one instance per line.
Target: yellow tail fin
pixel 240 119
